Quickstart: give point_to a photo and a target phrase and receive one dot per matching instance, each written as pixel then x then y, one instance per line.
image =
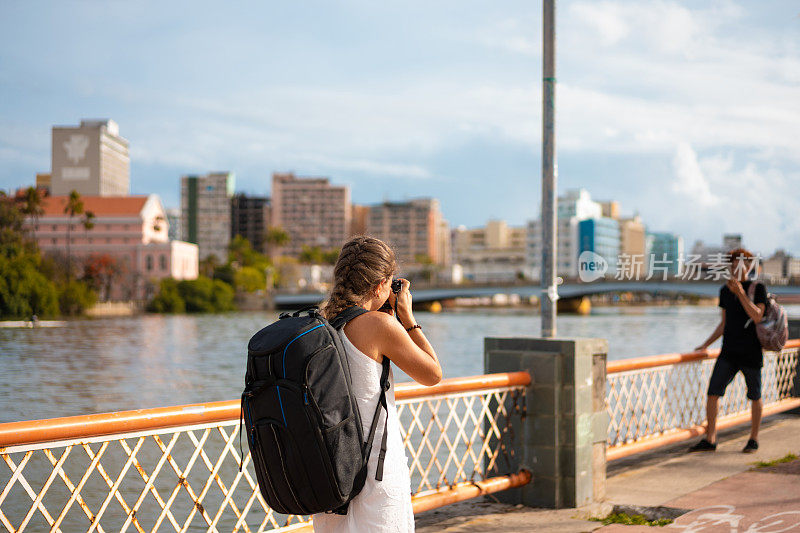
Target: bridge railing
pixel 658 400
pixel 177 468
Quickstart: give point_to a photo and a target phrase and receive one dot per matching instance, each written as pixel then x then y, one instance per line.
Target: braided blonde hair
pixel 362 264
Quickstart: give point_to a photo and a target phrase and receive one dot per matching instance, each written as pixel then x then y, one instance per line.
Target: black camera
pixel 397 285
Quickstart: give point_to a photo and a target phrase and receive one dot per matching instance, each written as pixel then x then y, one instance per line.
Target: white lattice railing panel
pixel 459 437
pixel 648 402
pixel 187 478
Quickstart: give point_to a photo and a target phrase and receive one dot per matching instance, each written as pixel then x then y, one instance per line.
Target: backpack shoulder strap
pixel 385 386
pixel 339 321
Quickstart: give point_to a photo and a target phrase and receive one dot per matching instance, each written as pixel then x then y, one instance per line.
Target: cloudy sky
pixel 686 112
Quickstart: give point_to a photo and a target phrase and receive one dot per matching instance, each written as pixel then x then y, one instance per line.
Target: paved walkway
pixel 720 491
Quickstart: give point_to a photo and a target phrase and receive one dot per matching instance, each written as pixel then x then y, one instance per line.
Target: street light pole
pixel 549 294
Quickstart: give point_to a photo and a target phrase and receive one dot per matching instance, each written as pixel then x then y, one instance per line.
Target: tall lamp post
pixel 549 294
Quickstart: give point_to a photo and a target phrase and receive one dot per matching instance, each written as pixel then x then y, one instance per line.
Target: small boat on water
pixel 32 324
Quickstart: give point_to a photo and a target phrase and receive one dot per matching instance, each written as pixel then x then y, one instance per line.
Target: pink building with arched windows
pixel 132 230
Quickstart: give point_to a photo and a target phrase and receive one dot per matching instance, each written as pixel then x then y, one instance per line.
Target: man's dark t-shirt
pixel 740 344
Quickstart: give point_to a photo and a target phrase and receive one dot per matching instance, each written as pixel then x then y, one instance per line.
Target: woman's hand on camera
pixel 403 304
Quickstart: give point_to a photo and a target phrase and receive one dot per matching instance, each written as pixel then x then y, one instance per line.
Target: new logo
pixel 591 266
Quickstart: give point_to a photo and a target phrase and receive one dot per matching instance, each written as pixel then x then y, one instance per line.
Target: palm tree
pixel 276 237
pixel 32 207
pixel 74 208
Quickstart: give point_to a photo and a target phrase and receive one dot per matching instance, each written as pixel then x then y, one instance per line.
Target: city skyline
pixel 406 102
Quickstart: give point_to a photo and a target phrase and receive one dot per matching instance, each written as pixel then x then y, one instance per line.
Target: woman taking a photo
pixel 363 276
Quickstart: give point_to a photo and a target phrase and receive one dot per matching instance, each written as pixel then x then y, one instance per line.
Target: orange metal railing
pixel 177 467
pixel 659 400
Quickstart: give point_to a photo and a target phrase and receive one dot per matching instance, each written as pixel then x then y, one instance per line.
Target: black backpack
pixel 303 424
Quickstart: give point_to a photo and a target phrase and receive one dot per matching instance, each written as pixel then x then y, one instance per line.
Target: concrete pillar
pixel 562 440
pixel 794 333
pixel 794 327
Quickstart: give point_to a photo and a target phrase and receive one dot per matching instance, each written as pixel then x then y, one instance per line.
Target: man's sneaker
pixel 751 446
pixel 704 446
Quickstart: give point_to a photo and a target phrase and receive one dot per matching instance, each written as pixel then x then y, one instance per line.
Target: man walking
pixel 741 349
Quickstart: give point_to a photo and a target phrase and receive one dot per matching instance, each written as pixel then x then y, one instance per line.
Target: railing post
pixel 562 440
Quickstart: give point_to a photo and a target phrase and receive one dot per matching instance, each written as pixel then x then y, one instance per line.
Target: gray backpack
pixel 773 330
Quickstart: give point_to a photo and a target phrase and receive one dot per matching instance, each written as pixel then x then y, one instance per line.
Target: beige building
pixel 44 181
pixel 444 243
pixel 359 218
pixel 610 209
pixel 91 158
pixel 493 253
pixel 206 212
pixel 780 268
pixel 414 229
pixel 633 242
pixel 311 210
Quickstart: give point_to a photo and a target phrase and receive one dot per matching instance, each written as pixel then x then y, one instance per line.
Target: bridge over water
pixel 566 291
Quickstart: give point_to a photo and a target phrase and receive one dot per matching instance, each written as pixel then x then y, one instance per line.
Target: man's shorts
pixel 725 371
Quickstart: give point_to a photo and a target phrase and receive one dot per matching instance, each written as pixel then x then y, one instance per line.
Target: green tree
pixel 222 297
pixel 208 264
pixel 12 228
pixel 75 297
pixel 32 207
pixel 330 257
pixel 428 268
pixel 168 299
pixel 204 295
pixel 275 238
pixel 197 294
pixel 311 254
pixel 73 208
pixel 225 273
pixel 24 290
pixel 241 252
pixel 249 279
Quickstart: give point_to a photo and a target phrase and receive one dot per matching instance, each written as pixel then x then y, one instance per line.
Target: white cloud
pixel 712 194
pixel 660 72
pixel 605 19
pixel 689 179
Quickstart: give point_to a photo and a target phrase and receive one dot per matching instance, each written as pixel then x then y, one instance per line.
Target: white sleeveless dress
pixel 381 506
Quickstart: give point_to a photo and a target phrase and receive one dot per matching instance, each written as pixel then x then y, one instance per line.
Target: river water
pixel 113 364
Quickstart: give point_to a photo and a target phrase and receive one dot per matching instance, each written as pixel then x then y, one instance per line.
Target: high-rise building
pixel 174 221
pixel 206 212
pixel 731 241
pixel 445 244
pixel 311 210
pixel 250 218
pixel 665 251
pixel 91 158
pixel 493 253
pixel 610 208
pixel 573 206
pixel 601 236
pixel 633 244
pixel 578 203
pixel 413 229
pixel 359 218
pixel 632 236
